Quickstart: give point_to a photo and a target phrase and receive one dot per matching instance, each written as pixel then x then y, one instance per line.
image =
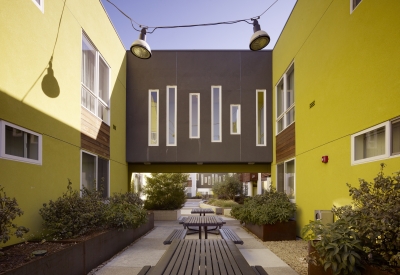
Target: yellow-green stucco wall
pixel 30 39
pixel 348 64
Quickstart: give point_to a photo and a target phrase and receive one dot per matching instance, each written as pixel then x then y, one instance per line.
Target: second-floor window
pixel 261 118
pixel 171 116
pixel 216 120
pixel 194 115
pixel 153 117
pixel 285 101
pixel 235 119
pixel 95 81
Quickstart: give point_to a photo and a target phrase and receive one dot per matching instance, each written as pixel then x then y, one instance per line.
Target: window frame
pixel 4 155
pixel 286 109
pixel 168 118
pixel 265 118
pixel 190 115
pixel 285 184
pixel 354 5
pixel 96 171
pixel 388 141
pixel 220 114
pixel 238 122
pixel 39 5
pixel 157 119
pixel 96 89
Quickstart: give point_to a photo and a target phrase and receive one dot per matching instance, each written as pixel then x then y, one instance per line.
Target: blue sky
pixel 155 13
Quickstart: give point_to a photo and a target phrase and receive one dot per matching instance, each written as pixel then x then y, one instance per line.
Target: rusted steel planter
pixel 85 255
pixel 280 231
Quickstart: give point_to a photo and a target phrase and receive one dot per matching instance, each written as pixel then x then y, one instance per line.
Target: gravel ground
pixel 293 253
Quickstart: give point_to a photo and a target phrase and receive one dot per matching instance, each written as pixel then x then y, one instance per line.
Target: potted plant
pixel 165 195
pixel 369 228
pixel 268 216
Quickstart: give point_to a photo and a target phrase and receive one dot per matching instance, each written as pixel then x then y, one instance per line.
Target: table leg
pixel 205 232
pixel 200 233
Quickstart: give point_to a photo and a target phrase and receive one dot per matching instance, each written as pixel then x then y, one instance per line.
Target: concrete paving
pixel 149 249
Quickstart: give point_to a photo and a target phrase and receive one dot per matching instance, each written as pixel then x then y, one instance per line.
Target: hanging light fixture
pixel 140 48
pixel 260 39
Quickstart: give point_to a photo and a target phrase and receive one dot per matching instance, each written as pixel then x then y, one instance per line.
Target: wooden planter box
pixel 166 215
pixel 280 231
pixel 86 255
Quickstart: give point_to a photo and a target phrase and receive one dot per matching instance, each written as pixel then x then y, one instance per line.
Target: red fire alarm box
pixel 325 159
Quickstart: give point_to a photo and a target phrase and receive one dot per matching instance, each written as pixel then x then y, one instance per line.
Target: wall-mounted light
pixel 260 39
pixel 325 159
pixel 140 48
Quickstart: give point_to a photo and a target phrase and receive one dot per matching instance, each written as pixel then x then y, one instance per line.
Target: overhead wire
pixel 141 26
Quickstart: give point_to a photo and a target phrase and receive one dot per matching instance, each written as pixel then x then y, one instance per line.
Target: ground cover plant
pixel 222 203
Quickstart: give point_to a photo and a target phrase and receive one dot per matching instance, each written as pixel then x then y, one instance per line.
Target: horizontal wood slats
pixel 95 134
pixel 285 144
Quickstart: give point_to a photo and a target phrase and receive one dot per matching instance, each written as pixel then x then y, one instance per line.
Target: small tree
pixel 9 210
pixel 165 191
pixel 229 188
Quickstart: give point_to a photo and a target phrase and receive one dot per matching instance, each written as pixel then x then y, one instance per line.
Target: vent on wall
pixel 312 104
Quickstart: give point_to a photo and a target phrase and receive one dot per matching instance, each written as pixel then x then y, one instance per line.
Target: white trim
pixel 284 163
pixel 238 118
pixel 190 115
pixel 157 118
pixel 220 114
pixel 39 5
pixel 96 171
pixel 286 109
pixel 264 92
pixel 175 117
pixel 3 154
pixel 352 7
pixel 375 158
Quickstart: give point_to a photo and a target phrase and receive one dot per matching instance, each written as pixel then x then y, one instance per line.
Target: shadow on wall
pixel 49 83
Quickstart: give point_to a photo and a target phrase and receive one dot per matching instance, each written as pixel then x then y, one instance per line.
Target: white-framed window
pixel 153 117
pixel 216 117
pixel 39 4
pixel 95 81
pixel 235 119
pixel 261 118
pixel 95 173
pixel 205 179
pixel 286 178
pixel 194 115
pixel 285 100
pixel 20 144
pixel 376 143
pixel 171 116
pixel 202 179
pixel 354 4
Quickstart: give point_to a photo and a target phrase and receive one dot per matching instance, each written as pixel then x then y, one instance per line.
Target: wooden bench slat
pixel 177 234
pixel 228 234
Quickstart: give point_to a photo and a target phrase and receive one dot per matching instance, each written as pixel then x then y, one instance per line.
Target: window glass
pixel 194 116
pixel 261 118
pixel 396 137
pixel 88 64
pixel 290 90
pixel 370 144
pixel 171 116
pixel 285 101
pixel 289 179
pixel 279 99
pixel 153 118
pixel 95 173
pixel 102 176
pixel 103 81
pixel 235 119
pixel 280 187
pixel 88 171
pixel 216 114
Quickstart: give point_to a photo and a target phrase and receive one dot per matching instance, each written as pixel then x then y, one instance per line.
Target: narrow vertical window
pixel 153 117
pixel 95 173
pixel 194 115
pixel 39 4
pixel 285 101
pixel 261 118
pixel 286 178
pixel 395 138
pixel 171 115
pixel 235 119
pixel 216 125
pixel 354 4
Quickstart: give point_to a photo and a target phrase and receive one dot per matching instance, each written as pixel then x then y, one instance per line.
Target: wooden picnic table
pixel 203 211
pixel 203 221
pixel 203 257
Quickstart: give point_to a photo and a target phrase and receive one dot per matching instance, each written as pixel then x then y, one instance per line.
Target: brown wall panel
pixel 286 144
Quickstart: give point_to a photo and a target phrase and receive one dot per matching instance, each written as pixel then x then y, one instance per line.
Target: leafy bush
pixel 338 246
pixel 229 188
pixel 268 208
pixel 165 191
pixel 73 215
pixel 221 203
pixel 125 211
pixel 375 216
pixel 9 210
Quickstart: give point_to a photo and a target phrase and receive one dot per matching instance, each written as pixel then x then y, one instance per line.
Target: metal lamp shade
pixel 259 40
pixel 141 49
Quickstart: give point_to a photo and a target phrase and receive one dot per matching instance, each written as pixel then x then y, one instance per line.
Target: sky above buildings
pixel 155 13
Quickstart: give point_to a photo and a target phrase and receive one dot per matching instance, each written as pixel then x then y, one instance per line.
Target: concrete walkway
pixel 149 249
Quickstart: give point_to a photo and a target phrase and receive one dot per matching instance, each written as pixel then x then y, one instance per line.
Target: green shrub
pixel 229 188
pixel 268 208
pixel 125 211
pixel 375 216
pixel 221 203
pixel 9 210
pixel 73 215
pixel 165 191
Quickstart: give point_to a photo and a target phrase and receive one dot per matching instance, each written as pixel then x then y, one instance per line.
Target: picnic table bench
pixel 176 234
pixel 202 221
pixel 203 257
pixel 228 234
pixel 203 211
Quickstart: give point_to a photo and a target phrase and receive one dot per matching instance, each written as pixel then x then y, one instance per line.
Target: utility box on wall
pixel 325 216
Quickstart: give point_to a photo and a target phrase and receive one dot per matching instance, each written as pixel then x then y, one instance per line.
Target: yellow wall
pixel 347 64
pixel 30 39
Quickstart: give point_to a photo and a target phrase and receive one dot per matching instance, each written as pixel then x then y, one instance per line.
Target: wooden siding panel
pixel 286 144
pixel 95 134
